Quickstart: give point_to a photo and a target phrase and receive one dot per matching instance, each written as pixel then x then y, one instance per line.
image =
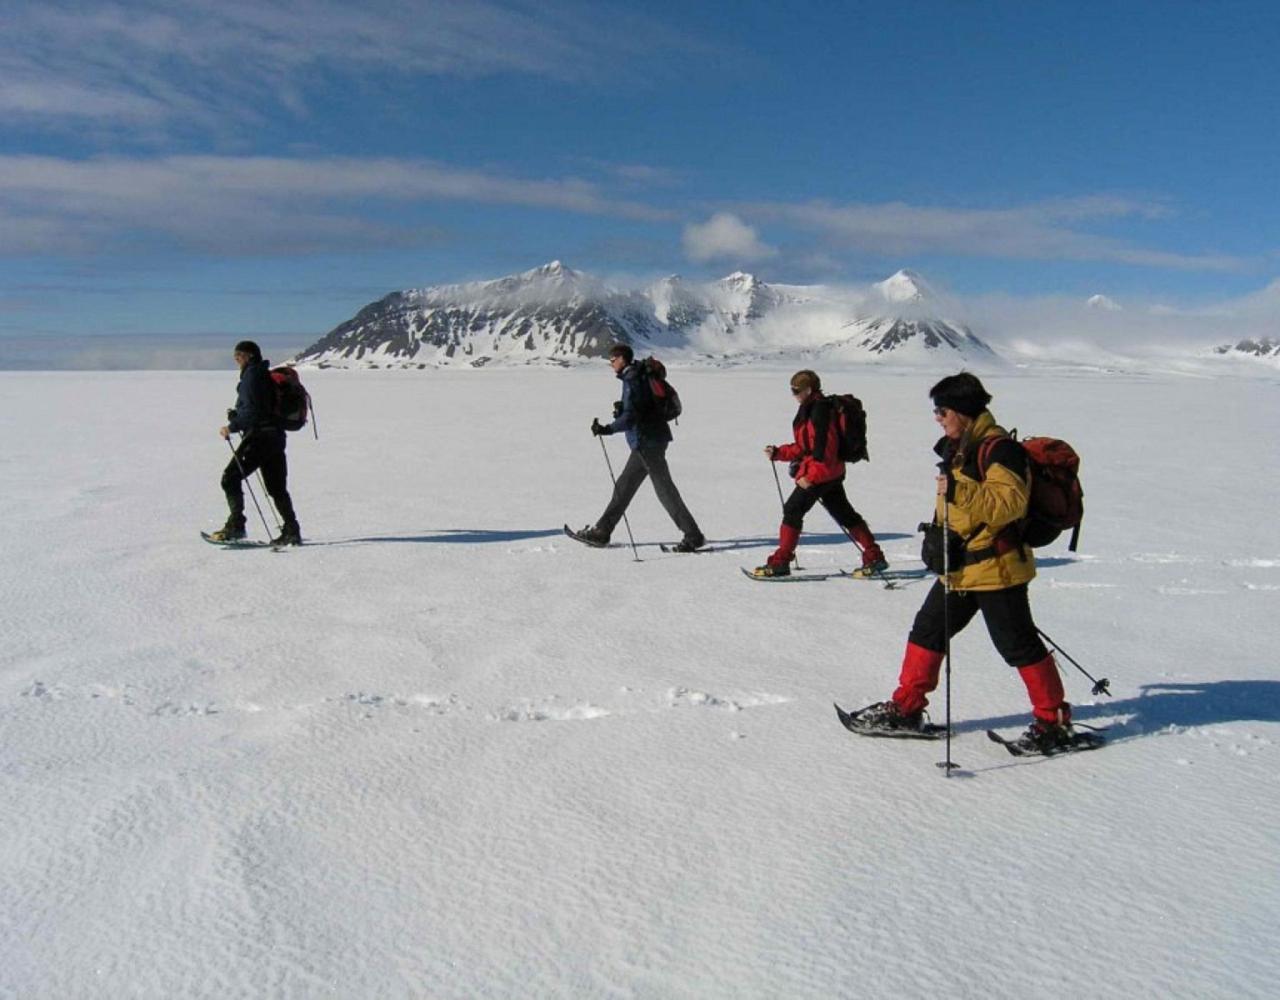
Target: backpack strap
pixel 1009 537
pixel 820 416
pixel 984 452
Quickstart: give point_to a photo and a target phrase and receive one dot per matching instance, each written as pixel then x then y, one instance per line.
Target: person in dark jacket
pixel 814 455
pixel 648 437
pixel 982 495
pixel 261 447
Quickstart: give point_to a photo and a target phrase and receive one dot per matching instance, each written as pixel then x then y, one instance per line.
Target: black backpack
pixel 659 399
pixel 851 419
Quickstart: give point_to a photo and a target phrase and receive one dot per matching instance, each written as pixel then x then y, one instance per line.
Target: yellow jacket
pixel 987 505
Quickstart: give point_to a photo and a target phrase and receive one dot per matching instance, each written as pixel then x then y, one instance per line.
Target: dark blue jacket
pixel 641 431
pixel 255 399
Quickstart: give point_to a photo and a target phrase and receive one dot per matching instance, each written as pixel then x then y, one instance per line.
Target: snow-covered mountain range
pixel 556 315
pixel 1265 347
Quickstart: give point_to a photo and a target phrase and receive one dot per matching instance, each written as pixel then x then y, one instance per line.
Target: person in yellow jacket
pixel 982 494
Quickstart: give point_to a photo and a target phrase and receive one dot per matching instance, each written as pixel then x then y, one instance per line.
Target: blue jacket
pixel 255 399
pixel 641 432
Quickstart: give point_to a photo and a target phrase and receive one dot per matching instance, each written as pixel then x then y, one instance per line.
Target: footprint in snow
pixel 680 697
pixel 191 708
pixel 550 713
pixel 43 692
pixel 432 704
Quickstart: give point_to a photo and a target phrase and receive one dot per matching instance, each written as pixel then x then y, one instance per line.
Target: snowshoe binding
pixel 870 570
pixel 290 534
pixel 590 535
pixel 691 543
pixel 884 719
pixel 1046 739
pixel 232 531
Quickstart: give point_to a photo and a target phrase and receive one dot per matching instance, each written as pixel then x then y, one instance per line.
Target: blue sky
pixel 252 167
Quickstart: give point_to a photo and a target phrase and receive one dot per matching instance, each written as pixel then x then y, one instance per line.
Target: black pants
pixel 650 463
pixel 1006 612
pixel 261 449
pixel 831 495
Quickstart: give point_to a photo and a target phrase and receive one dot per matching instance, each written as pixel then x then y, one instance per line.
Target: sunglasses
pixel 941 411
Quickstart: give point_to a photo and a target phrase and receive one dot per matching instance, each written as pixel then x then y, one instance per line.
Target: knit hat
pixel 963 393
pixel 805 379
pixel 622 351
pixel 250 348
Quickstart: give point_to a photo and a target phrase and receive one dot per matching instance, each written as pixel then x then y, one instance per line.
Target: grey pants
pixel 648 463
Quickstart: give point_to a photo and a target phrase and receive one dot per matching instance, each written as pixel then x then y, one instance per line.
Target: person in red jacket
pixel 819 474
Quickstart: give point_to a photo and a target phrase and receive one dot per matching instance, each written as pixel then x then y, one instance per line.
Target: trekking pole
pixel 244 476
pixel 947 764
pixel 1099 686
pixel 605 452
pixel 777 482
pixel 795 558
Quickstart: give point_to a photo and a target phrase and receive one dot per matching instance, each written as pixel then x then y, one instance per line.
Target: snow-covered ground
pixel 443 751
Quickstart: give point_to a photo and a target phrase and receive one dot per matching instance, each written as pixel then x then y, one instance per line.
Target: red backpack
pixel 1057 500
pixel 292 402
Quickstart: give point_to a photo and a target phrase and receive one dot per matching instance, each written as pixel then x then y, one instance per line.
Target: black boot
pixel 290 534
pixel 593 536
pixel 690 543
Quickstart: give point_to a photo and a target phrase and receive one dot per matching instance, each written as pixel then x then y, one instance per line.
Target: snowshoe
pixel 590 535
pixel 871 569
pixel 232 531
pixel 1045 739
pixel 883 719
pixel 290 534
pixel 215 538
pixel 690 544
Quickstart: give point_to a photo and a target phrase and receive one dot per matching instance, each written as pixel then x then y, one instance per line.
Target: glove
pixel 793 468
pixel 596 428
pixel 231 414
pixel 617 408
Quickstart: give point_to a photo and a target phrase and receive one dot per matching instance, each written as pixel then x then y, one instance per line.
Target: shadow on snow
pixel 453 536
pixel 1164 707
pixel 483 536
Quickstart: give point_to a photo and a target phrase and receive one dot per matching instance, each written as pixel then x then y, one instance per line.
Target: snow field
pixel 443 750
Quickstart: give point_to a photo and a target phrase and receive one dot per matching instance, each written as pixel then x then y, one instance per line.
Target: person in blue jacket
pixel 648 436
pixel 261 447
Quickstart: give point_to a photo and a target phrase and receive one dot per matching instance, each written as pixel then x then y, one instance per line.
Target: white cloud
pixel 254 205
pixel 724 236
pixel 195 63
pixel 1049 230
pixel 1055 321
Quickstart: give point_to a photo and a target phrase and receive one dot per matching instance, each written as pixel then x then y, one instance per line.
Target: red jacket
pixel 814 419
